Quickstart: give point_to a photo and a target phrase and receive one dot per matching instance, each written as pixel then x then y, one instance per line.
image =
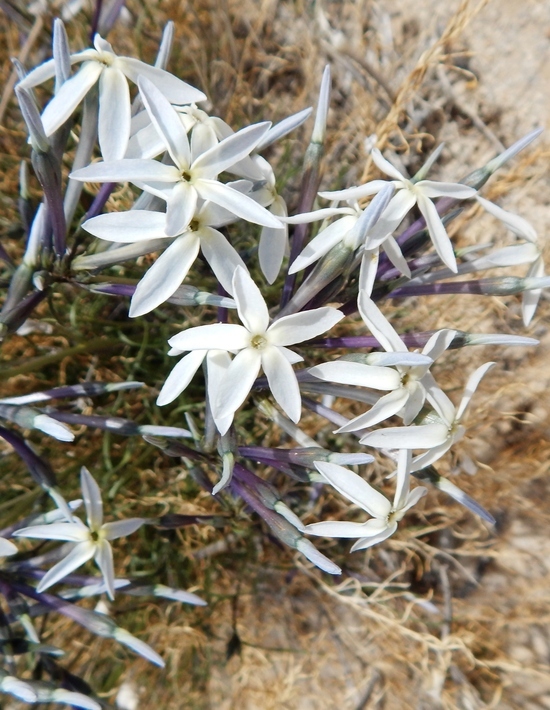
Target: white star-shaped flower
pixel 257 344
pixel 409 193
pixel 438 431
pixel 352 230
pixel 103 65
pixel 531 252
pixel 385 515
pixel 91 540
pixel 195 171
pixel 409 382
pixel 165 276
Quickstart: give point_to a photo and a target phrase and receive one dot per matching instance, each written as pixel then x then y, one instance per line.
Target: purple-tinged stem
pixel 39 469
pixel 498 286
pixel 95 19
pixel 100 200
pixel 311 180
pixel 13 319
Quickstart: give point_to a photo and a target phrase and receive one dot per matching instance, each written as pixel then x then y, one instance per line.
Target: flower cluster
pixel 201 185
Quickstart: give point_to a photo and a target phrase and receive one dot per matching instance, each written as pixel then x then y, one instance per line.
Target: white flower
pixel 195 170
pixel 351 229
pixel 408 383
pixel 521 228
pixel 385 515
pixel 438 432
pixel 103 65
pixel 165 276
pixel 329 236
pixel 257 344
pixel 91 540
pixel 409 193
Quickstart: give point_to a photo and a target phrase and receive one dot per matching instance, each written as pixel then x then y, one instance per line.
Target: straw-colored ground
pixel 449 613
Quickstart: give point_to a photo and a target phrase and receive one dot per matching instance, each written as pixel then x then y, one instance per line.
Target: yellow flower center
pixel 258 341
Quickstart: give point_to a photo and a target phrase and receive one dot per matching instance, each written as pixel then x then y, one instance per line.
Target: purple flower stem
pixel 95 19
pixel 100 200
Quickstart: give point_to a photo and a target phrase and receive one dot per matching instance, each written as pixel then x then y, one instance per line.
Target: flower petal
pixel 38 75
pixel 71 532
pixel 395 255
pixel 379 326
pixel 516 224
pixel 80 554
pixel 7 547
pixel 203 138
pixel 127 227
pixel 181 376
pixel 69 96
pixel 114 114
pixel 127 170
pixel 52 427
pixel 438 343
pixel 385 166
pixel 425 436
pixel 355 193
pixel 92 499
pixel 217 363
pixel 121 528
pixel 386 407
pixel 236 202
pixel 323 242
pixel 317 215
pixel 403 477
pixel 229 151
pixel 175 90
pixel 430 189
pixel 167 123
pixel 221 256
pixel 239 380
pixel 355 488
pixel 180 208
pixel 165 276
pixel 299 327
pixel 530 298
pixel 431 456
pixel 471 386
pixel 282 382
pixel 104 559
pixel 138 646
pixel 375 539
pixel 414 496
pixel 357 374
pixel 281 129
pixel 273 243
pixel 210 337
pixel 400 204
pixel 438 233
pixel 251 307
pixel 343 528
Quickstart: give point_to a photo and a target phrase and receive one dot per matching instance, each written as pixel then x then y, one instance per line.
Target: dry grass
pixel 447 614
